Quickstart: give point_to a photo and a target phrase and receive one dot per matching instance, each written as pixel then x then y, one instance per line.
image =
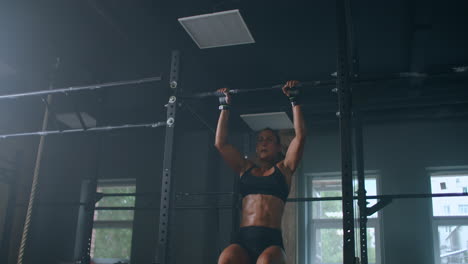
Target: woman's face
pixel 267 146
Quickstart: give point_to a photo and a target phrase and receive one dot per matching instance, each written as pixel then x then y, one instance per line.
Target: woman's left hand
pixel 287 87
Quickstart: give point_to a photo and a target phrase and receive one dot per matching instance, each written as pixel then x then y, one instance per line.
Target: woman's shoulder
pixel 283 168
pixel 249 165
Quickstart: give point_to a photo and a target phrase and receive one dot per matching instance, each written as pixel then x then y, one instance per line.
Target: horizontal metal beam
pixel 391 196
pixel 203 193
pixel 267 88
pixel 129 194
pixel 80 130
pixel 378 206
pixel 416 196
pixel 80 88
pixel 157 208
pixel 291 200
pixel 332 83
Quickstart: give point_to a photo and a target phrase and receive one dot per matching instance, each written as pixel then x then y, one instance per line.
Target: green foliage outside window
pixel 331 248
pixel 114 239
pixel 112 243
pixel 332 245
pixel 330 209
pixel 118 201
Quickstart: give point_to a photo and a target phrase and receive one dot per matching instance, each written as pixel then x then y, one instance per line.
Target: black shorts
pixel 255 239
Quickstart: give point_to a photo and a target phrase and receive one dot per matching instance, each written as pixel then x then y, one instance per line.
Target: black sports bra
pixel 275 184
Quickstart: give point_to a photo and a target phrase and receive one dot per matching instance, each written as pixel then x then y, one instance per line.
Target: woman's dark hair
pixel 275 133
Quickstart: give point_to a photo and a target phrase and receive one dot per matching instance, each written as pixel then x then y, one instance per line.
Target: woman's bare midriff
pixel 262 210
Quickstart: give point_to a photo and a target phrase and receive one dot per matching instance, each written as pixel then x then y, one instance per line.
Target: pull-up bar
pixel 267 88
pixel 459 71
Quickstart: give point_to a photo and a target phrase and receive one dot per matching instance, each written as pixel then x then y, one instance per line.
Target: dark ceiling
pixel 110 40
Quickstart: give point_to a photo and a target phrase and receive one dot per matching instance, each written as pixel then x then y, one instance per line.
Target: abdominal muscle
pixel 262 210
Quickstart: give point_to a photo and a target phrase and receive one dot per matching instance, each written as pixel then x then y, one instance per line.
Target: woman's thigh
pixel 272 255
pixel 234 254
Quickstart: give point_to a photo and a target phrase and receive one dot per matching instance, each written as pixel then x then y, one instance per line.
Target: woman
pixel 264 187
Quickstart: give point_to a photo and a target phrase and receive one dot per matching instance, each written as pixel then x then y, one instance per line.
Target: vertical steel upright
pixel 90 197
pixel 344 115
pixel 362 202
pixel 162 256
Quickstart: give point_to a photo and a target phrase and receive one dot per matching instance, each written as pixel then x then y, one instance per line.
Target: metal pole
pixel 79 130
pixel 344 115
pixel 261 89
pixel 362 202
pixel 385 196
pixel 357 78
pixel 80 88
pixel 90 207
pixel 167 198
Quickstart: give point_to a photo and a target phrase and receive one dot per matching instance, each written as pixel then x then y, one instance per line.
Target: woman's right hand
pixel 227 96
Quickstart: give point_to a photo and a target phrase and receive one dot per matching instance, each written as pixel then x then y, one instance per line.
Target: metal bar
pixel 158 208
pixel 362 202
pixel 415 196
pixel 356 80
pixel 204 193
pixel 378 206
pixel 345 122
pixel 130 194
pixel 260 89
pixel 80 88
pixel 167 198
pixel 79 130
pixel 91 197
pixel 91 208
pixel 314 199
pixel 386 196
pixel 290 200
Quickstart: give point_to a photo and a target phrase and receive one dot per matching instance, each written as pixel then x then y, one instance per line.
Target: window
pixel 463 209
pixel 112 232
pixel 450 226
pixel 324 236
pixel 447 209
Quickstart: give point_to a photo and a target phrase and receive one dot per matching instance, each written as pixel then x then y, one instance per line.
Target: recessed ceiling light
pixel 72 121
pixel 274 120
pixel 217 29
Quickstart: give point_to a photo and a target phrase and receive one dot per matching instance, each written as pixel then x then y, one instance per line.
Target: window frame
pixel 114 224
pixel 438 221
pixel 311 225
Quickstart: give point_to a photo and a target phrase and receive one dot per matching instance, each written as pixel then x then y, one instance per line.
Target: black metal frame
pixel 86 221
pixel 385 197
pixel 344 115
pixel 362 202
pixel 83 130
pixel 92 87
pixel 162 254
